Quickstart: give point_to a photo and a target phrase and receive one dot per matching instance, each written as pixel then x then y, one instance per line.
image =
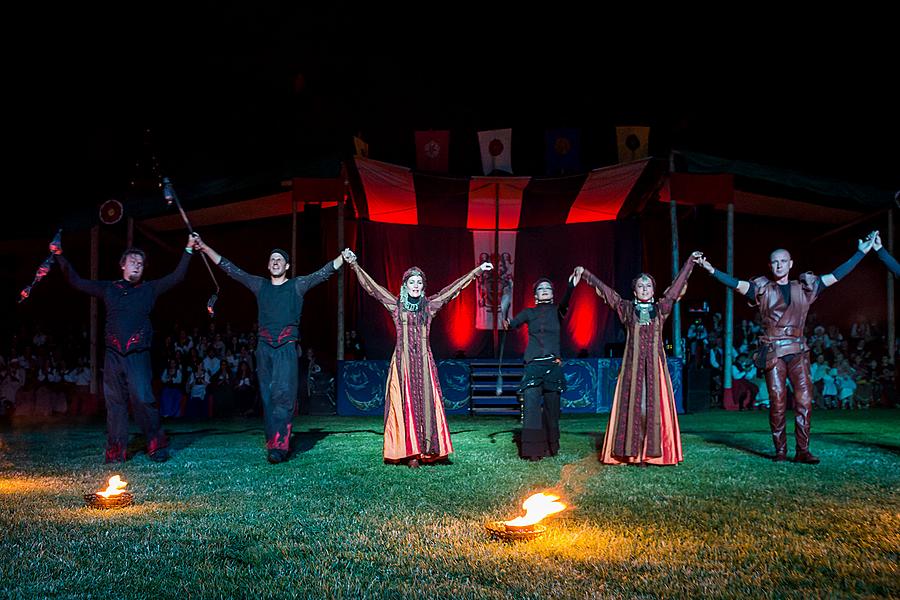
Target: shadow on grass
pixel 596 438
pixel 835 439
pixel 723 431
pixel 516 433
pixel 304 441
pixel 179 440
pixel 720 439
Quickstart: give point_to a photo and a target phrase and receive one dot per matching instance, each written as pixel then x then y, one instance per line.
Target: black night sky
pixel 226 89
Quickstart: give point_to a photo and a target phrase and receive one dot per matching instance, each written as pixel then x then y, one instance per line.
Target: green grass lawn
pixel 218 521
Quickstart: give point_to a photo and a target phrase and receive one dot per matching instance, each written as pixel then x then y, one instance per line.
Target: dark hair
pixel 414 271
pixel 539 282
pixel 641 276
pixel 283 253
pixel 130 251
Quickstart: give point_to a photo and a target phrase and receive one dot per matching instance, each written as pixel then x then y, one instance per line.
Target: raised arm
pixel 675 291
pixel 306 282
pixel 844 269
pixel 889 261
pixel 609 295
pixel 88 286
pixel 166 283
pixel 436 302
pixel 251 282
pixel 739 285
pixel 374 289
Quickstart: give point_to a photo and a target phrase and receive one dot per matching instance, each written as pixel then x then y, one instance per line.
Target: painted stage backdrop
pixel 591 385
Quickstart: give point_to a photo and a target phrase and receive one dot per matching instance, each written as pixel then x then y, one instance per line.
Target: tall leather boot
pixel 798 371
pixel 776 381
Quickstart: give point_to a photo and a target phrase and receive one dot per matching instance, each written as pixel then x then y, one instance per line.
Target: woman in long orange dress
pixel 643 423
pixel 415 426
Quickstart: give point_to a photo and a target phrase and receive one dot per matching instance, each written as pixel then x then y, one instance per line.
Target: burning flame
pixel 536 508
pixel 116 487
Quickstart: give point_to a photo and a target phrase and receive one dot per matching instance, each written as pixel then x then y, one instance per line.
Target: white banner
pixel 496 153
pixel 493 289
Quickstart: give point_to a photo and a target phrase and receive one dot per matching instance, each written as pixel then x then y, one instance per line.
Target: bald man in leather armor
pixel 783 353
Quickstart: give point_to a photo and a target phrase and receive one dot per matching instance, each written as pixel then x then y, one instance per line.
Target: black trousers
pixel 277 370
pixel 541 386
pixel 126 382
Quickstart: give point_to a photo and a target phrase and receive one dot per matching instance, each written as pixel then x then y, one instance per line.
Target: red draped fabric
pixel 611 250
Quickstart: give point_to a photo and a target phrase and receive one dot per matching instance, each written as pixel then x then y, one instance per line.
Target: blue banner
pixel 591 385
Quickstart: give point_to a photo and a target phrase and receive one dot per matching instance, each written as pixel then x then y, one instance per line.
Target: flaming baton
pixel 44 268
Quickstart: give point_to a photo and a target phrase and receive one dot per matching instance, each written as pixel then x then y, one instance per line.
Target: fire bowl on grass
pixel 528 527
pixel 514 533
pixel 120 501
pixel 114 496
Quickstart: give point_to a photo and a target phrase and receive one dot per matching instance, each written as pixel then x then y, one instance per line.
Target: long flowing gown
pixel 415 425
pixel 643 422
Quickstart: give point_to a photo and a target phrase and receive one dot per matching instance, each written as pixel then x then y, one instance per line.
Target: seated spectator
pixel 231 362
pixel 197 405
pixel 354 349
pixel 867 385
pixel 818 370
pixel 744 391
pixel 245 390
pixel 48 397
pixel 846 386
pixel 829 388
pixel 172 391
pixel 9 386
pixel 83 402
pixel 212 363
pixel 184 344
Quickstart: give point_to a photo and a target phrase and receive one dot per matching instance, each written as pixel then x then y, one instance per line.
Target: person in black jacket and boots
pixel 543 380
pixel 126 369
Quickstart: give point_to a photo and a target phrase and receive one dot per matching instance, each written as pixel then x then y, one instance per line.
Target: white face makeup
pixel 543 292
pixel 133 268
pixel 414 286
pixel 643 289
pixel 277 265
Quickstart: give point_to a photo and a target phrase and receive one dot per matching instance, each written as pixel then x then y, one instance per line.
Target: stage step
pixel 484 398
pixel 490 387
pixel 496 411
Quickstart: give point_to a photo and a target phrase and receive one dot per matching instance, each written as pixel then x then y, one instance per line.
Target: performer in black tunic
pixel 543 380
pixel 126 369
pixel 280 302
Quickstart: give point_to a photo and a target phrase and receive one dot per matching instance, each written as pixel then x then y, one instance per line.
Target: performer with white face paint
pixel 280 303
pixel 543 380
pixel 643 423
pixel 415 426
pixel 783 352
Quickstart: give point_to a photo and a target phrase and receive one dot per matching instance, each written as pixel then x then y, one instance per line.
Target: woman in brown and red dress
pixel 415 426
pixel 643 423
